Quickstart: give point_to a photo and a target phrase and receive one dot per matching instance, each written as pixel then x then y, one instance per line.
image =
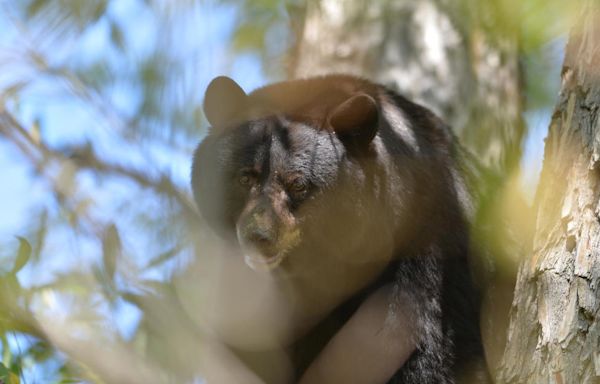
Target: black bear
pixel 347 191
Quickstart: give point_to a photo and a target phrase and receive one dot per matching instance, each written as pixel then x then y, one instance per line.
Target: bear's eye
pixel 246 178
pixel 298 186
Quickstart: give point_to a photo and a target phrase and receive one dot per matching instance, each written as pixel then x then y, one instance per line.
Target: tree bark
pixel 449 56
pixel 554 334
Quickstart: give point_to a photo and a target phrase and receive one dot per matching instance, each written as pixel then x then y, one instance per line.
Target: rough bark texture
pixel 554 336
pixel 433 53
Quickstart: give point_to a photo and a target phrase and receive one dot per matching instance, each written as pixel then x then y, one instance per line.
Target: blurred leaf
pixel 16 366
pixel 3 371
pixel 135 299
pixel 116 36
pixel 6 352
pixel 249 37
pixel 36 131
pixel 40 351
pixel 23 254
pixel 13 90
pixel 163 257
pixel 9 291
pixel 152 71
pixel 106 283
pixel 82 206
pixel 68 375
pixel 40 235
pixel 65 180
pixel 97 75
pixel 76 283
pixel 79 13
pixel 539 66
pixel 534 17
pixel 8 377
pixel 35 7
pixel 111 248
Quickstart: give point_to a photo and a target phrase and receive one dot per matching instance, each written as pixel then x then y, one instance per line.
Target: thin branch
pixel 84 158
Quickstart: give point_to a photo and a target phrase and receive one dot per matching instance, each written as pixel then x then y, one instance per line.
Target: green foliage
pixel 7 376
pixel 263 27
pixel 534 23
pixel 83 12
pixel 111 248
pixel 23 255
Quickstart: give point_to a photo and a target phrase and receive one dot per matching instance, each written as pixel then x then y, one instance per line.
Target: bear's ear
pixel 224 101
pixel 355 120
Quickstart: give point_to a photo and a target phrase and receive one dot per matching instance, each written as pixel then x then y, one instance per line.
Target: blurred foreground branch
pixel 85 158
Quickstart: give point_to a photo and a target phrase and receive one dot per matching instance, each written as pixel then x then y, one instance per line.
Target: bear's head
pixel 297 171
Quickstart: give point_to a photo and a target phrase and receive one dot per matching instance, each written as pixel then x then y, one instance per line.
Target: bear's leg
pixel 369 348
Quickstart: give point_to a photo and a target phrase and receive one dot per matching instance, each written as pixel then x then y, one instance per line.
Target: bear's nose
pixel 259 229
pixel 261 237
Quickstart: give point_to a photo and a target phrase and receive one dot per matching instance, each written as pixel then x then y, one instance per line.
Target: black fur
pixel 388 195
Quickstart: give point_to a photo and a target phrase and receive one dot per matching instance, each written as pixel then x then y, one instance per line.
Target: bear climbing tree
pixel 345 191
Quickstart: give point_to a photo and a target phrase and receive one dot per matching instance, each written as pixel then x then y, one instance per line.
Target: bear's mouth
pixel 262 263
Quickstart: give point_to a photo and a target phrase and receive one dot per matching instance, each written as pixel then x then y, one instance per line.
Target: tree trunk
pixel 554 334
pixel 452 58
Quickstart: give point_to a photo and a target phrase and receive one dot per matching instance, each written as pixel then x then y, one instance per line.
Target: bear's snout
pixel 266 233
pixel 258 229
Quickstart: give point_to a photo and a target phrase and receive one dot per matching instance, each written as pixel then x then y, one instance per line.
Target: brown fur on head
pixel 271 155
